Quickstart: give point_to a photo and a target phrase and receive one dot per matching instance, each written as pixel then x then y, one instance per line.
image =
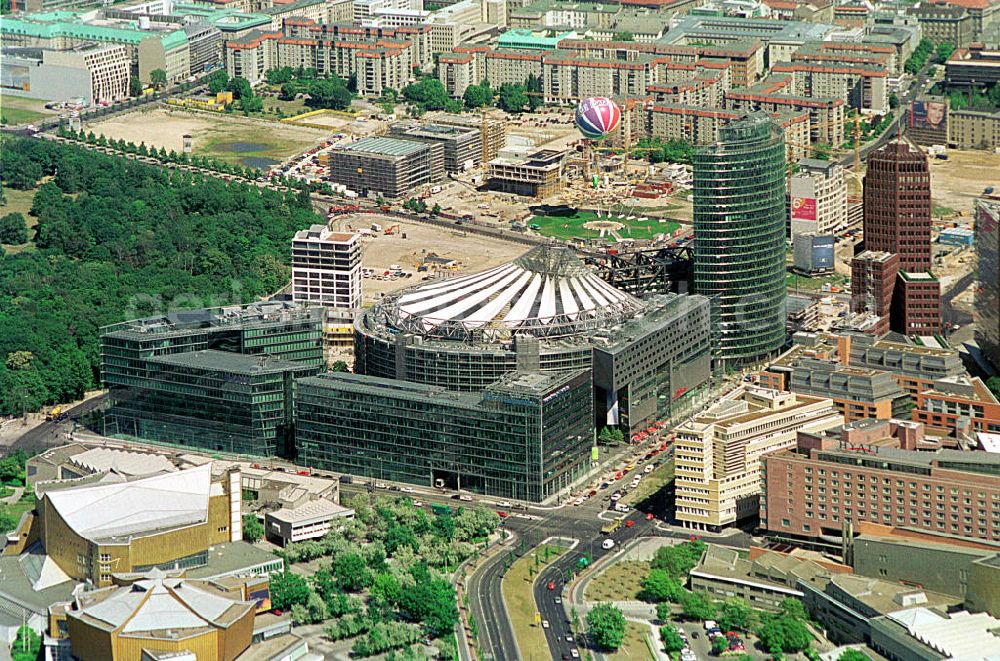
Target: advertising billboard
pixel 928 115
pixel 823 253
pixel 804 208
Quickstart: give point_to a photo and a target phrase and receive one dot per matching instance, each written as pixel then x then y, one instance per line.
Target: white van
pixel 608 544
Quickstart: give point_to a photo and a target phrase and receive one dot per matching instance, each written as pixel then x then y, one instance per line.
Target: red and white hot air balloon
pixel 597 116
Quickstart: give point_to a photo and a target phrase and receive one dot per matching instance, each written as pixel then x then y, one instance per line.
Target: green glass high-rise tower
pixel 739 237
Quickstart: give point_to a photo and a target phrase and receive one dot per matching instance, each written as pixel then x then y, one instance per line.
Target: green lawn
pixel 634 646
pixel 518 594
pixel 650 484
pixel 806 284
pixel 619 582
pixel 27 503
pixel 571 226
pixel 22 110
pixel 15 116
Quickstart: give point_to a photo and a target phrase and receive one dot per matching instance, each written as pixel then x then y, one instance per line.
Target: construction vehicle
pixel 392 229
pixel 55 413
pixel 611 526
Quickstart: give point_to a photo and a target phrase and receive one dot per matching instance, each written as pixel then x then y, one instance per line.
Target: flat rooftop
pixel 228 362
pixel 233 558
pixel 384 147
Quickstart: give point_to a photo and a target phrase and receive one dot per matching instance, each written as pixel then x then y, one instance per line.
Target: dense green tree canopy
pixel 117 239
pixel 607 626
pixel 659 585
pixel 430 94
pixel 13 229
pixel 672 641
pixel 253 529
pixel 288 589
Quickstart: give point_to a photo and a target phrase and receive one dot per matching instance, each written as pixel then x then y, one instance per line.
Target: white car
pixel 381 485
pixel 417 503
pixel 467 499
pixel 608 544
pixel 545 624
pixel 648 469
pixel 574 654
pixel 505 503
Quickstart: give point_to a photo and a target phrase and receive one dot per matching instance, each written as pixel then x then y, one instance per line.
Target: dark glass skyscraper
pixel 739 237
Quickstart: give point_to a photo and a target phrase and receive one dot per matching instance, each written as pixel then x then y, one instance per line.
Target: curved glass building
pixel 739 237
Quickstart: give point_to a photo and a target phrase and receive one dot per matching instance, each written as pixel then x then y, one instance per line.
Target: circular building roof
pixel 547 292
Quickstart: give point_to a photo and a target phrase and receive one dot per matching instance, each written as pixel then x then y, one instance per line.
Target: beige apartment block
pixel 718 452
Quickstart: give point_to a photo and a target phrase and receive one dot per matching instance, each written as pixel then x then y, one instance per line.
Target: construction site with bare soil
pixel 397 254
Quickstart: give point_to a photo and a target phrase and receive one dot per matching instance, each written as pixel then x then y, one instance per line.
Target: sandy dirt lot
pixel 473 251
pixel 335 122
pixel 213 135
pixel 956 182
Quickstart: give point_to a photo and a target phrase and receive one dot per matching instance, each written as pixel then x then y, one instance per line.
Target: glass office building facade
pixel 739 228
pixel 214 400
pixel 527 436
pixel 219 379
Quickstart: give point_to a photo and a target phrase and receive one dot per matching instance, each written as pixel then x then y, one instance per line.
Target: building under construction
pixel 462 145
pixel 645 272
pixel 535 174
pixel 492 132
pixel 389 167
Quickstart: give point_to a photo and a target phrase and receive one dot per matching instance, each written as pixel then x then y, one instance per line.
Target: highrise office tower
pixel 988 285
pixel 739 245
pixel 897 199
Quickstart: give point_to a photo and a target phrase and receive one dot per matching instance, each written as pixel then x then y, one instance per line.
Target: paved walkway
pixel 14 497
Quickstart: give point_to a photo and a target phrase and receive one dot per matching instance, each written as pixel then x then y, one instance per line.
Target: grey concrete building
pixel 858 392
pixel 944 565
pixel 95 73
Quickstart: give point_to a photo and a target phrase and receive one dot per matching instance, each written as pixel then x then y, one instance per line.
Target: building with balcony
pixel 959 404
pixel 326 268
